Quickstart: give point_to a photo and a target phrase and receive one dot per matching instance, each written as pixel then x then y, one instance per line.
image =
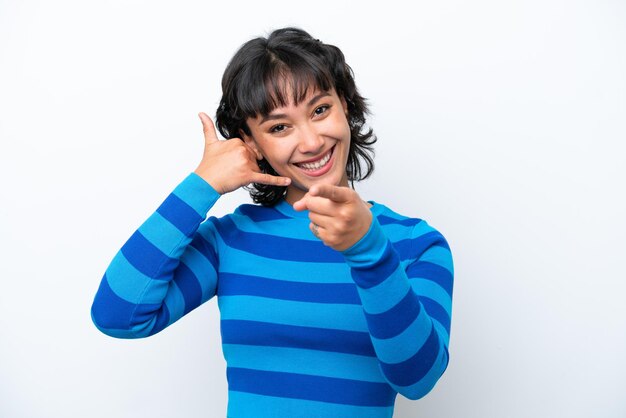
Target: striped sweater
pixel 306 331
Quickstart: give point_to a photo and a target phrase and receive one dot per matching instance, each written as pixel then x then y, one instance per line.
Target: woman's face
pixel 308 143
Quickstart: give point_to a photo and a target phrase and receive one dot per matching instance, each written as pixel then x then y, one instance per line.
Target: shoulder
pixel 410 235
pixel 387 216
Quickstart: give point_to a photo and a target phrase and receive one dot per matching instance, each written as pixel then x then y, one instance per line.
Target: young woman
pixel 330 305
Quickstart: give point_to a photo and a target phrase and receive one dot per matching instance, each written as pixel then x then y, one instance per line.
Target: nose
pixel 311 142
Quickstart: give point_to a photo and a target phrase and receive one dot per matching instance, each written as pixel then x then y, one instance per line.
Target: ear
pixel 249 141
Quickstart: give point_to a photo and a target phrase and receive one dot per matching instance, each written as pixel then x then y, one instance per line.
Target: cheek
pixel 338 128
pixel 345 127
pixel 276 155
pixel 345 133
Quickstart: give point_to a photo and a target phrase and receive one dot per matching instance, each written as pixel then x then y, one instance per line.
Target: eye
pixel 277 128
pixel 322 109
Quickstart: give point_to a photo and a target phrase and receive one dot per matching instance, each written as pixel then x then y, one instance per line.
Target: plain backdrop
pixel 502 123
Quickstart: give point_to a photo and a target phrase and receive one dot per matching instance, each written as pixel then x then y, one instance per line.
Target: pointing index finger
pixel 335 193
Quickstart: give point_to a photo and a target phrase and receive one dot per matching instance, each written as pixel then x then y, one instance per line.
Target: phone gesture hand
pixel 230 164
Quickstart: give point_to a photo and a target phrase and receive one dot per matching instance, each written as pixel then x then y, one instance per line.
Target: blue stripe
pixel 161 233
pixel 414 247
pixel 370 276
pixel 436 311
pixel 239 284
pixel 190 288
pixel 393 289
pixel 395 320
pixel 266 334
pixel 443 333
pixel 112 312
pixel 404 345
pixel 260 213
pixel 180 214
pixel 386 220
pixel 317 388
pixel 421 229
pixel 290 312
pixel 283 270
pixel 426 383
pixel 197 193
pixel 433 272
pixel 414 369
pixel 243 404
pixel 145 257
pixel 280 228
pixel 440 256
pixel 205 248
pixel 129 283
pixel 203 270
pixel 395 232
pixel 162 320
pixel 147 316
pixel 269 246
pixel 175 302
pixel 305 361
pixel 109 310
pixel 426 288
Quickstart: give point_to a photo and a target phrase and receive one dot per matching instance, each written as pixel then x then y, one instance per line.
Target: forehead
pixel 282 112
pixel 291 90
pixel 286 93
pixel 310 96
pixel 284 87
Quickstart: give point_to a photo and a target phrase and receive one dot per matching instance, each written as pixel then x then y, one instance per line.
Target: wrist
pixel 211 180
pixel 368 248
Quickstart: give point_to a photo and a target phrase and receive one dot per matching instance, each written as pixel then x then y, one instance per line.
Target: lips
pixel 319 166
pixel 318 163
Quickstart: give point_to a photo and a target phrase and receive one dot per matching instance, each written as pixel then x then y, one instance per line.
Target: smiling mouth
pixel 316 165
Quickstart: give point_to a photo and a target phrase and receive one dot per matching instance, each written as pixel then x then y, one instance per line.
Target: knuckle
pixel 332 241
pixel 345 214
pixel 242 151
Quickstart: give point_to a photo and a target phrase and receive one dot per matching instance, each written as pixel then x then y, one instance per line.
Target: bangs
pixel 276 84
pixel 282 70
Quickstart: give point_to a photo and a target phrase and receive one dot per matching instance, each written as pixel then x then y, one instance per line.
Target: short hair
pixel 254 84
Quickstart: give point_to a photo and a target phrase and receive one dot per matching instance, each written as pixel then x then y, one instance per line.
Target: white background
pixel 501 123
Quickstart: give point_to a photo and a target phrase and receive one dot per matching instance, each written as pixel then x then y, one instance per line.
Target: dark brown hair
pixel 253 84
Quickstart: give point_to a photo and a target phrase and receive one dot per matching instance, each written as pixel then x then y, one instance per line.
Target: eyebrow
pixel 282 115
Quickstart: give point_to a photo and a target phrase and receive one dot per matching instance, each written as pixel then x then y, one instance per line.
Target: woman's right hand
pixel 230 164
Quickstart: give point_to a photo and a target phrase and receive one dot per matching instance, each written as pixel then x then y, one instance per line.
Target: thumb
pixel 300 204
pixel 208 128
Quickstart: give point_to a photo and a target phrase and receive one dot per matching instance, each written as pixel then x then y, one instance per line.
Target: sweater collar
pixel 286 209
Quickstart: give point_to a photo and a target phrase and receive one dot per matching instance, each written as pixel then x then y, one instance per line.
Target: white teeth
pixel 316 165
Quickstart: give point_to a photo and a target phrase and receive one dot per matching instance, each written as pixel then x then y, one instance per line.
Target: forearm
pixel 146 287
pixel 410 345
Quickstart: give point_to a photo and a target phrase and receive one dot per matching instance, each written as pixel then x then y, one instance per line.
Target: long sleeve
pixel 165 269
pixel 407 303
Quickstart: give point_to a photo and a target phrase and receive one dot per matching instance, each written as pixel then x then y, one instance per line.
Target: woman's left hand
pixel 338 215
